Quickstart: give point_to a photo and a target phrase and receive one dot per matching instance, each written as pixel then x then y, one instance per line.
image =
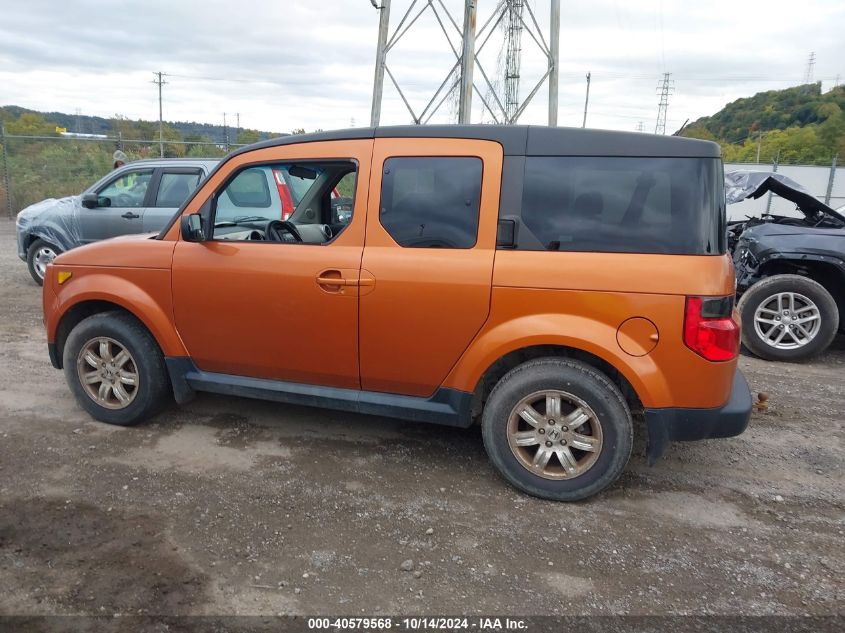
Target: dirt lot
pixel 230 506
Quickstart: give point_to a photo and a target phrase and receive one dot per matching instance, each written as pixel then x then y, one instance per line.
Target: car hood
pixel 137 250
pixel 742 184
pixel 55 220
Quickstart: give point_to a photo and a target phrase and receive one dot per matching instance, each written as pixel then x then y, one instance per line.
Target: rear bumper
pixel 669 425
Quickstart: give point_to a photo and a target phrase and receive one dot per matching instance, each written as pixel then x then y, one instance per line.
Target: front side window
pixel 127 190
pixel 287 202
pixel 626 205
pixel 175 188
pixel 431 202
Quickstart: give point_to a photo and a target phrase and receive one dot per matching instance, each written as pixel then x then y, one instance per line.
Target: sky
pixel 286 64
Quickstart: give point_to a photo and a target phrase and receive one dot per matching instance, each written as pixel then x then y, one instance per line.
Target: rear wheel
pixel 38 255
pixel 557 429
pixel 115 369
pixel 788 318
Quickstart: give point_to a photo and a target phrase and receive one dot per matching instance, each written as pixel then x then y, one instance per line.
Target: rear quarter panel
pixel 579 300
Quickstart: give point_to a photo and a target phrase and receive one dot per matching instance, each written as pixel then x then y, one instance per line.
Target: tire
pixel 151 386
pixel 760 304
pixel 38 255
pixel 579 382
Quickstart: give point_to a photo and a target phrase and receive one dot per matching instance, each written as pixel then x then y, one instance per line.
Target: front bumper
pixel 669 425
pixel 21 241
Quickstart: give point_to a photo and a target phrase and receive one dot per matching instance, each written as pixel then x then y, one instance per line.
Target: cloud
pixel 283 65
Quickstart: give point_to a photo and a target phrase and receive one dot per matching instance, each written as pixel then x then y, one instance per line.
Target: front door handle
pixel 336 281
pixel 130 216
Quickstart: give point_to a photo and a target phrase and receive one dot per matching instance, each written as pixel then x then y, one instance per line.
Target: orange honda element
pixel 550 283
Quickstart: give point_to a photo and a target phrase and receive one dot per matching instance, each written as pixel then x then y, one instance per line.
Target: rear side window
pixel 431 202
pixel 175 188
pixel 624 205
pixel 250 189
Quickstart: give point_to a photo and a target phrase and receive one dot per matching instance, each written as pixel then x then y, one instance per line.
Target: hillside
pixel 53 165
pixel 85 124
pixel 796 125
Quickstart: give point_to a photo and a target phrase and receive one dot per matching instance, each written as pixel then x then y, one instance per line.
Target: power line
pixel 665 88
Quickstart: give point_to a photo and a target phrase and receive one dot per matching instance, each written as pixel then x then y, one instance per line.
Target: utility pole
pixel 775 170
pixel 160 83
pixel 381 53
pixel 830 180
pixel 225 134
pixel 640 127
pixel 6 180
pixel 664 89
pixel 237 126
pixel 808 74
pixel 467 62
pixel 586 102
pixel 759 143
pixel 554 54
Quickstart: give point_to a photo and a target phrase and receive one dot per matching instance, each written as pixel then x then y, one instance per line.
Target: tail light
pixel 709 328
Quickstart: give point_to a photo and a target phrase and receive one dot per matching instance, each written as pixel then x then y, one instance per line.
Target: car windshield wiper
pixel 245 218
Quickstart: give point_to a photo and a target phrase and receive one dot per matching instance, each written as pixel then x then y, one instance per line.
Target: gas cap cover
pixel 637 336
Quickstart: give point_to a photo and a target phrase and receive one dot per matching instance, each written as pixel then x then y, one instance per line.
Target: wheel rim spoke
pixel 584 442
pixel 530 415
pixel 92 377
pixel 542 457
pixel 553 406
pixel 567 459
pixel 526 438
pixel 577 418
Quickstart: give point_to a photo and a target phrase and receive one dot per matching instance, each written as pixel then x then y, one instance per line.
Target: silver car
pixel 138 197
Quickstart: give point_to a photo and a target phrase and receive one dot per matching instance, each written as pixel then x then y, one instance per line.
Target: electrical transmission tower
pixel 808 74
pixel 517 16
pixel 160 82
pixel 513 58
pixel 664 89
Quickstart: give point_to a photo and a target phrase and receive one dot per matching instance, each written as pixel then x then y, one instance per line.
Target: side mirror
pixel 191 226
pixel 90 200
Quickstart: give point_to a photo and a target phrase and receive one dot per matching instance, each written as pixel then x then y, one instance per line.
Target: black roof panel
pixel 524 140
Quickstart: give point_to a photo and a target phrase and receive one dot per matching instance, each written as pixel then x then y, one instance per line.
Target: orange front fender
pixel 144 292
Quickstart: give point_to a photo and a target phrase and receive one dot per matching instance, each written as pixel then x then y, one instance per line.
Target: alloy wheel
pixel 107 373
pixel 787 320
pixel 554 434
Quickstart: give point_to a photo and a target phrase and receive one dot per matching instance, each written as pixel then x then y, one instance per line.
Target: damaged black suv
pixel 790 270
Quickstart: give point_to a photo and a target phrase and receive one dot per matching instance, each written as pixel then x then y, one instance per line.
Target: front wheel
pixel 115 369
pixel 557 429
pixel 38 256
pixel 788 318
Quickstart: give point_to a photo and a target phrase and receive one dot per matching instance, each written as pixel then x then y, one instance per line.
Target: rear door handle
pixel 130 216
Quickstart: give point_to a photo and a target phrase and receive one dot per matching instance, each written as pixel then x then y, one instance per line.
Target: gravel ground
pixel 233 506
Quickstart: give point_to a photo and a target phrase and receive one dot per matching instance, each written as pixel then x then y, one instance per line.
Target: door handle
pixel 336 281
pixel 130 216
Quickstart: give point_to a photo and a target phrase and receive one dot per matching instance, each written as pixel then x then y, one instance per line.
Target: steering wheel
pixel 277 228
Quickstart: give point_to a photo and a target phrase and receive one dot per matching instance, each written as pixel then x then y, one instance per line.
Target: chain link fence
pixel 34 168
